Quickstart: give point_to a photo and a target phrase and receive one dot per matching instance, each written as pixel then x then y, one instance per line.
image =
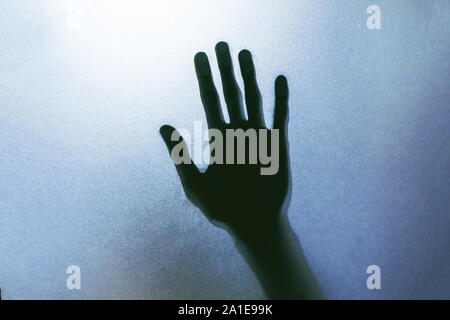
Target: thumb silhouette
pixel 187 170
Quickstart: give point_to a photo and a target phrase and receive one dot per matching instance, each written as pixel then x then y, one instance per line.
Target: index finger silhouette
pixel 208 92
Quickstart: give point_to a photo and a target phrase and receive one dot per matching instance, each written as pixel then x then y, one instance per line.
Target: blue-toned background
pixel 85 178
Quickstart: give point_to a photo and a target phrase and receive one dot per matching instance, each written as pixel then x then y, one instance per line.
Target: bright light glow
pixel 132 32
pixel 118 19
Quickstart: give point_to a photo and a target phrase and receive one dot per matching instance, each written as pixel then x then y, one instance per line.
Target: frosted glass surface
pixel 85 178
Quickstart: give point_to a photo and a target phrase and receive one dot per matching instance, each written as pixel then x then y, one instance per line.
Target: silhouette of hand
pixel 234 196
pixel 240 197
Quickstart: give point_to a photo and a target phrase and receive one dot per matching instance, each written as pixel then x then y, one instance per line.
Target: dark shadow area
pixel 246 187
